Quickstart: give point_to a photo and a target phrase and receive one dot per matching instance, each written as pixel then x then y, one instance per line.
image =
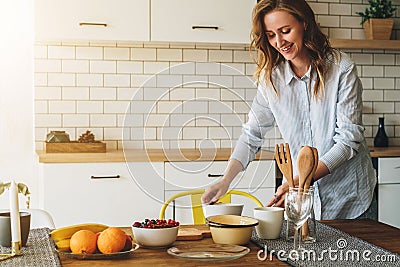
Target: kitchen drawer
pixel 72 196
pixel 212 21
pixel 388 170
pixel 183 210
pixel 116 20
pixel 181 176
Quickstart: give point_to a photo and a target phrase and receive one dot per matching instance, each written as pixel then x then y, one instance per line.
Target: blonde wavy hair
pixel 315 41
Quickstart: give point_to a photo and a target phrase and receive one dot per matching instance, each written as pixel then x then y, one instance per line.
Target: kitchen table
pixel 374 232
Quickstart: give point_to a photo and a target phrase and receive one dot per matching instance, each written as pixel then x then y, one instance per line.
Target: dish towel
pixel 40 251
pixel 333 248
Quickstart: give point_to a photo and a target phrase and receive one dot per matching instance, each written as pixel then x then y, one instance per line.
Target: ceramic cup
pixel 270 221
pixel 5 228
pixel 222 209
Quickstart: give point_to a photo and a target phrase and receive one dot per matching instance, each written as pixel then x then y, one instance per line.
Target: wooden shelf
pixel 366 44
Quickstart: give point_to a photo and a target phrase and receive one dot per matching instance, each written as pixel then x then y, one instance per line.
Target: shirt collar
pixel 289 74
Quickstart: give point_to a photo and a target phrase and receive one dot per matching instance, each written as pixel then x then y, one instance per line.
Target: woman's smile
pixel 287 48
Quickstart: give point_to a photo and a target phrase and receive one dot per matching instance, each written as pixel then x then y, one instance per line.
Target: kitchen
pixel 89 85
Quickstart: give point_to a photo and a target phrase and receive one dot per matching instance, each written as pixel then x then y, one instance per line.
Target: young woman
pixel 312 92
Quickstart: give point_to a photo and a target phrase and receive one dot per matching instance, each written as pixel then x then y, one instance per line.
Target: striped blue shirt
pixel 332 123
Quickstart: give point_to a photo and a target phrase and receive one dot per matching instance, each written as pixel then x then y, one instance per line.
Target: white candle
pixel 14 213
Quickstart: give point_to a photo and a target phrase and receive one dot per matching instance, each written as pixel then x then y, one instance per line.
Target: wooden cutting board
pixel 193 234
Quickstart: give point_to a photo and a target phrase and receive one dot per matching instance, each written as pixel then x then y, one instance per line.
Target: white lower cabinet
pixel 258 180
pixel 115 194
pixel 389 191
pixel 119 193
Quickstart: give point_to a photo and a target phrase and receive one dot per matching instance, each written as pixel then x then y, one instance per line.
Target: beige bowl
pixel 155 237
pixel 231 229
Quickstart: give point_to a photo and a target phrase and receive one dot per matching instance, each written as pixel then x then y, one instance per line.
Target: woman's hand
pixel 215 192
pixel 279 197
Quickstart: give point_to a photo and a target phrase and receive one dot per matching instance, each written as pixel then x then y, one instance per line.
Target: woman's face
pixel 285 34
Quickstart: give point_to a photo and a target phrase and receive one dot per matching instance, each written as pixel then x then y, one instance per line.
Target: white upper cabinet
pixel 211 21
pixel 117 20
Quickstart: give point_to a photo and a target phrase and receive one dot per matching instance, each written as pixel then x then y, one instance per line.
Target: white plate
pixel 213 252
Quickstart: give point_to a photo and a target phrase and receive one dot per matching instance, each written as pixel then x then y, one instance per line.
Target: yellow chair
pixel 197 210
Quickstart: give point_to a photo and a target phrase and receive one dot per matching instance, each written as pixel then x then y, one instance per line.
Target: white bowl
pixel 222 209
pixel 231 229
pixel 155 237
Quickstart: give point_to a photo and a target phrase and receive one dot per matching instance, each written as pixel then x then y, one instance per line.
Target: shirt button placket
pixel 307 115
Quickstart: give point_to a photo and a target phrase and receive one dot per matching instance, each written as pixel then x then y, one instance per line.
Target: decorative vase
pixel 381 138
pixel 378 29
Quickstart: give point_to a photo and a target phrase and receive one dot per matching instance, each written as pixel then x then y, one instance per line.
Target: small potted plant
pixel 377 19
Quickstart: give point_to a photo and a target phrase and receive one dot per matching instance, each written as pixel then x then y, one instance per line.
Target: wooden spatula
pixel 305 164
pixel 307 184
pixel 311 175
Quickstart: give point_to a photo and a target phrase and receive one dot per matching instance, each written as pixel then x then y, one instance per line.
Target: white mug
pixel 270 221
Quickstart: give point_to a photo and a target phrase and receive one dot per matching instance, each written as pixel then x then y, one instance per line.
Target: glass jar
pixel 309 237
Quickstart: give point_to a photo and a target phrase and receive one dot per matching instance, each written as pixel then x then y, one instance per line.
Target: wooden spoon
pixel 311 175
pixel 307 184
pixel 305 164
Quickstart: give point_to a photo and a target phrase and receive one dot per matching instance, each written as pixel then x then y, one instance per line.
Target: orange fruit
pixel 83 242
pixel 111 240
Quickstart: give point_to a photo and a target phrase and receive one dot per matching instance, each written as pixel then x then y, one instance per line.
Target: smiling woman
pixel 313 93
pixel 285 33
pixel 295 23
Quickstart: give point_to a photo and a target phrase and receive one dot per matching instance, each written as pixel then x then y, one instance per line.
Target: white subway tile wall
pixel 188 95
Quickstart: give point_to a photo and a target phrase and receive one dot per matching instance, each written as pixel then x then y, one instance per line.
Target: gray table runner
pixel 333 248
pixel 39 251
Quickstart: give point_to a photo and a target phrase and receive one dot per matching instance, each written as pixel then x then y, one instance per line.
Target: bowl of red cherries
pixel 155 232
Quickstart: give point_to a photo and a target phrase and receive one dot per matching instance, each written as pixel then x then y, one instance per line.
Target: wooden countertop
pixel 160 155
pixel 381 152
pixel 371 231
pixel 141 155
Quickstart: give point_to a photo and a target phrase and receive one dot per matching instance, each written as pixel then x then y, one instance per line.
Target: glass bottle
pixel 381 139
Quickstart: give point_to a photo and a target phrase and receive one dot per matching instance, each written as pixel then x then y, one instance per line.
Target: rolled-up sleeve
pixel 349 129
pixel 260 121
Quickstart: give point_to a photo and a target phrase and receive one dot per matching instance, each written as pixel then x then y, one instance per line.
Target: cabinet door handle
pixel 105 177
pixel 195 27
pixel 92 24
pixel 215 175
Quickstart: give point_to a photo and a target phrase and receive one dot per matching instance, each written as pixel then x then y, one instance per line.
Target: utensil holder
pixel 312 231
pixel 312 227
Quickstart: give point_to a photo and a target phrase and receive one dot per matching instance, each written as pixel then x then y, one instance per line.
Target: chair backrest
pixel 40 219
pixel 197 209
